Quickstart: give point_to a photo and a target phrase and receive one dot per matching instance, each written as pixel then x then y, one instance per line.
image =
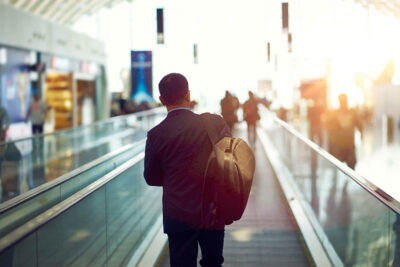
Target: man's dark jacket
pixel 176 156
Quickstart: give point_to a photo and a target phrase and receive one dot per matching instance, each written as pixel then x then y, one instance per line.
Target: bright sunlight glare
pixel 339 40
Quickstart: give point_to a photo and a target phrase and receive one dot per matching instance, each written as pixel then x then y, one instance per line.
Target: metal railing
pixel 368 186
pixel 14 202
pixel 345 213
pixel 144 113
pixel 44 218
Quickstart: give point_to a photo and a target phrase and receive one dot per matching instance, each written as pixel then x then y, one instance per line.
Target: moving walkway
pixel 26 206
pixel 306 208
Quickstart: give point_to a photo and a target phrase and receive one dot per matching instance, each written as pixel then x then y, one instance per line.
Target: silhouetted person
pixel 229 106
pixel 282 113
pixel 314 114
pixel 251 116
pixel 176 156
pixel 314 178
pixel 37 112
pixel 4 123
pixel 339 217
pixel 193 104
pixel 396 230
pixel 341 125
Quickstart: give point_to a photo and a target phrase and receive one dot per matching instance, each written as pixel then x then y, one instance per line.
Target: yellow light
pixel 242 235
pixel 68 104
pixel 68 153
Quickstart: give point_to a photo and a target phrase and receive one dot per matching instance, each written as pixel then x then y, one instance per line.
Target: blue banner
pixel 16 92
pixel 142 77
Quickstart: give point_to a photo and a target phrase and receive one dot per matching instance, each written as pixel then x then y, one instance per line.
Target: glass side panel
pixel 22 254
pixel 20 214
pixel 76 237
pixel 29 163
pixel 394 228
pixel 15 217
pixel 131 207
pixel 358 227
pixel 105 228
pixel 89 176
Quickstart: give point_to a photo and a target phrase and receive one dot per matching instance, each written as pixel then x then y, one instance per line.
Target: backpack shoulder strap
pixel 207 119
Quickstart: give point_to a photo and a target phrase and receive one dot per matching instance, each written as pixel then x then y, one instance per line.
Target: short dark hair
pixel 173 88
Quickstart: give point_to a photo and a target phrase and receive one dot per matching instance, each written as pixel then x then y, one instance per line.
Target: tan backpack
pixel 230 168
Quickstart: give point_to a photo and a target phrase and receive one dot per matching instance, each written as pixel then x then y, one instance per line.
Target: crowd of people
pixel 339 124
pixel 121 105
pixel 229 110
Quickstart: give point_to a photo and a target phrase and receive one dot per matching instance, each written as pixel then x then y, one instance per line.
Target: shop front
pixel 70 88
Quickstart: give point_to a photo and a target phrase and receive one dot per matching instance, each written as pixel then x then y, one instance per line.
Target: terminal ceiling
pixel 69 11
pixel 388 7
pixel 61 11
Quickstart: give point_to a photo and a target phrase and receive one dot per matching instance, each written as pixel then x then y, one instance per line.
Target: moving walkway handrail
pixel 10 204
pixel 153 111
pixel 42 219
pixel 370 187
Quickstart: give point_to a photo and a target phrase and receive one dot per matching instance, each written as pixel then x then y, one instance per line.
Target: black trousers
pixel 183 248
pixel 37 128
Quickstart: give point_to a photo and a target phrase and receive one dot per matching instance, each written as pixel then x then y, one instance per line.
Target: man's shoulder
pixel 218 123
pixel 164 124
pixel 153 131
pixel 213 117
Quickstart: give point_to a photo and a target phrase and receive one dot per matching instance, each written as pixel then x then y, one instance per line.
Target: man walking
pixel 176 157
pixel 341 125
pixel 4 123
pixel 251 116
pixel 229 105
pixel 37 112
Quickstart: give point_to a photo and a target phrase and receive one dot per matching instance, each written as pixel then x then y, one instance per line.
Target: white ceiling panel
pixel 61 11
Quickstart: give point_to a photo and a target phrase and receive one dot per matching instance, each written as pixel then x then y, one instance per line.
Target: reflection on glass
pixel 103 229
pixel 395 240
pixel 27 164
pixel 358 227
pixel 18 215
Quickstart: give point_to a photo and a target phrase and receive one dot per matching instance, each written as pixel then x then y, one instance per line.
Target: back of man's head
pixel 173 88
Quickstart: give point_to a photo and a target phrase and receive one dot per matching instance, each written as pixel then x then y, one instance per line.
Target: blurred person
pixel 193 104
pixel 251 116
pixel 341 125
pixel 4 123
pixel 176 156
pixel 229 106
pixel 282 113
pixel 314 115
pixel 236 104
pixel 138 107
pixel 37 112
pixel 396 230
pixel 8 153
pixel 264 101
pixel 115 111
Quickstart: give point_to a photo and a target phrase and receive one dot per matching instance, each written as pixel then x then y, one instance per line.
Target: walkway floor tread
pixel 266 235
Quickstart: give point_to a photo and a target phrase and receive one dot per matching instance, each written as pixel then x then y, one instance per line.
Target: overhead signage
pixel 141 77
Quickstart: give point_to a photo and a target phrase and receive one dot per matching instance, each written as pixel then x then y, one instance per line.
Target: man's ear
pixel 187 96
pixel 162 101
